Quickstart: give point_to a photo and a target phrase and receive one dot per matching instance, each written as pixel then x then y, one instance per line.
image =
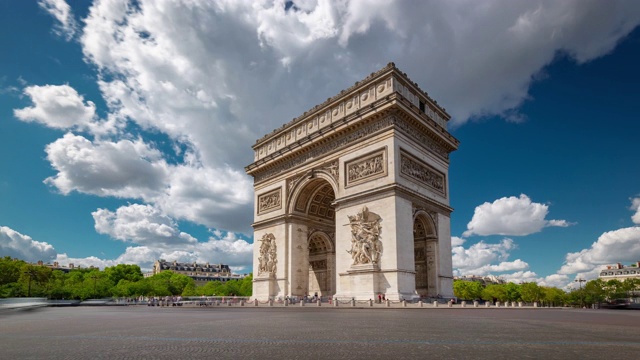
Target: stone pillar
pixel 301 302
pixel 370 303
pixel 353 302
pixel 435 303
pixel 497 303
pixel 520 304
pixel 463 304
pixel 388 303
pixel 475 304
pixel 487 304
pixel 242 302
pixel 270 302
pixel 319 302
pixel 286 302
pixel 420 302
pixel 335 302
pixel 535 304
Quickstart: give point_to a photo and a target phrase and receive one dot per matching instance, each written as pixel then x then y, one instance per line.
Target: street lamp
pixel 580 281
pixel 32 273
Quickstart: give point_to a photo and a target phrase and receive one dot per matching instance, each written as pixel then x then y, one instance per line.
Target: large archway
pixel 313 205
pixel 425 251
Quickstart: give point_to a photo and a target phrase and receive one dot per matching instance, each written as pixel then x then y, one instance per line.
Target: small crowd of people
pixel 165 300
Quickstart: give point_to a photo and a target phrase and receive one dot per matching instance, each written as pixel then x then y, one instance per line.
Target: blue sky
pixel 124 128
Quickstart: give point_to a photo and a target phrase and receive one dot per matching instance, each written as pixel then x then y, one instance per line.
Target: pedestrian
pixel 379 298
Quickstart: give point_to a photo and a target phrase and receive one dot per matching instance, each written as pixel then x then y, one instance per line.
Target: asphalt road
pixel 140 332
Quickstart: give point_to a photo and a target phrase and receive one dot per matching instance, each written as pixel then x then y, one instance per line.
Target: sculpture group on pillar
pixel 366 247
pixel 267 260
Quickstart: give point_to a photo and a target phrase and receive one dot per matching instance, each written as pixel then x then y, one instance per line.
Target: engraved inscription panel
pixel 367 167
pixel 270 201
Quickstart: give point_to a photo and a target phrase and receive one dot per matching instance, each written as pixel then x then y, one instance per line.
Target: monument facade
pixel 352 197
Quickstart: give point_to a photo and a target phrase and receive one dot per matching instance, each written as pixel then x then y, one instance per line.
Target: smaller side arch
pixel 430 226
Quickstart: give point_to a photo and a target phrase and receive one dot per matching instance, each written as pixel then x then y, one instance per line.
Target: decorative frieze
pixel 423 173
pixel 267 259
pixel 366 168
pixel 319 151
pixel 366 247
pixel 418 135
pixel 270 201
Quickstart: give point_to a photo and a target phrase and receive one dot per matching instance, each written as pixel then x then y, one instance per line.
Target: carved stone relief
pixel 366 247
pixel 267 260
pixel 345 140
pixel 318 265
pixel 331 168
pixel 423 173
pixel 366 168
pixel 270 201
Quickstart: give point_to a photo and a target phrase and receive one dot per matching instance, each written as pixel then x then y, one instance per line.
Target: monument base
pixel 265 288
pixel 363 282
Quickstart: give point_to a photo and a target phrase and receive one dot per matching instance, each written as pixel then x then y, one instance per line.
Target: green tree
pixel 512 291
pixel 614 289
pixel 494 292
pixel 33 280
pixel 119 272
pixel 530 292
pixel 594 291
pixel 554 296
pixel 246 286
pixel 467 290
pixel 10 269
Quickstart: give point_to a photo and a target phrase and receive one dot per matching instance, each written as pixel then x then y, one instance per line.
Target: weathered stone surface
pixel 354 196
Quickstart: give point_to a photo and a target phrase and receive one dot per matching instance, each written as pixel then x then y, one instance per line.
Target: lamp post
pixel 32 273
pixel 580 281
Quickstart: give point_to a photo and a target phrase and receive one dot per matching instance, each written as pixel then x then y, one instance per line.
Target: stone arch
pixel 311 209
pixel 425 242
pixel 303 189
pixel 321 264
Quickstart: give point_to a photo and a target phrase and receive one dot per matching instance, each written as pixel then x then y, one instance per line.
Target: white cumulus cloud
pixel 61 11
pixel 483 258
pixel 515 216
pixel 141 224
pixel 57 106
pixel 622 245
pixel 635 206
pixel 17 245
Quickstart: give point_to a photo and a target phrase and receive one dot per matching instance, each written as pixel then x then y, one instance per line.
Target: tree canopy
pixel 19 278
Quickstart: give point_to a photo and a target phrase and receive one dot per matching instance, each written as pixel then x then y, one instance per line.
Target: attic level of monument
pixel 386 98
pixel 352 198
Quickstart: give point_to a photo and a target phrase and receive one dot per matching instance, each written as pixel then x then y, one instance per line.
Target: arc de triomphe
pixel 352 197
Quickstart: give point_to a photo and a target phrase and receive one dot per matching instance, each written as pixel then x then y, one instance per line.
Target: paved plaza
pixel 141 332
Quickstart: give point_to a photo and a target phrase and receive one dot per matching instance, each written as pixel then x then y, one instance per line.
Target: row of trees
pixel 594 292
pixel 19 278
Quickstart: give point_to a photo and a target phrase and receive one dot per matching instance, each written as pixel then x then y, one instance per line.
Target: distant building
pixel 201 273
pixel 57 266
pixel 620 272
pixel 484 280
